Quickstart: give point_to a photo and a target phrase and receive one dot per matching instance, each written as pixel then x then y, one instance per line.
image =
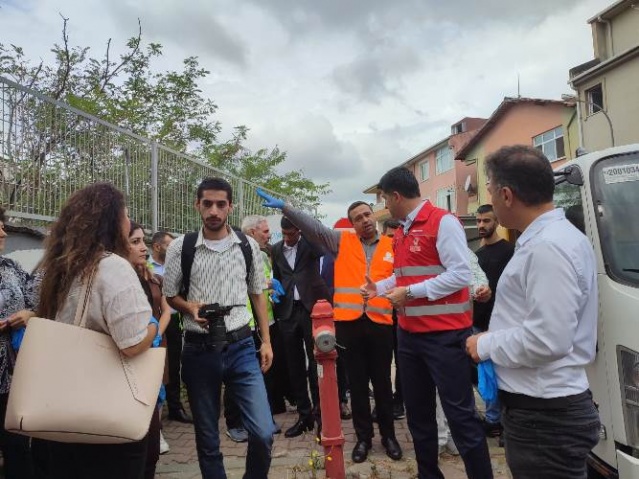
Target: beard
pixel 486 232
pixel 214 226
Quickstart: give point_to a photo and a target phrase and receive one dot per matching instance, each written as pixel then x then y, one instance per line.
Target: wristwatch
pixel 409 293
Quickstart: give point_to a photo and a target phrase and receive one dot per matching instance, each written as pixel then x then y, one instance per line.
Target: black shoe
pixel 492 429
pixel 392 448
pixel 360 451
pixel 302 425
pixel 180 415
pixel 344 411
pixel 398 412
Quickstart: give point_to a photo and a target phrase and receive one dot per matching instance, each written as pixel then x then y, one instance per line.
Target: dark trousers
pixel 100 461
pixel 342 378
pixel 438 360
pixel 297 335
pixel 368 354
pixel 173 336
pixel 153 446
pixel 398 397
pixel 15 449
pixel 553 443
pixel 274 377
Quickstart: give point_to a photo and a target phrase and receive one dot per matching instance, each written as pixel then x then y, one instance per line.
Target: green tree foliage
pixel 124 89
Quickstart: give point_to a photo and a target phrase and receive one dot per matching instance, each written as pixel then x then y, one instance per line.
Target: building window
pixel 446 199
pixel 424 170
pixel 444 159
pixel 457 129
pixel 594 99
pixel 551 143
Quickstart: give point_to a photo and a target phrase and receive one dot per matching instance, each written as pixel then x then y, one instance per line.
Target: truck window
pixel 568 197
pixel 615 183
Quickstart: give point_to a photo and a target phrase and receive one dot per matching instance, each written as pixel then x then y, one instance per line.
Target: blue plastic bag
pixel 487 383
pixel 156 344
pixel 16 338
pixel 278 291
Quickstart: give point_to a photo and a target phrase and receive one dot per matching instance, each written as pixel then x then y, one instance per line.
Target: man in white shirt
pixel 543 329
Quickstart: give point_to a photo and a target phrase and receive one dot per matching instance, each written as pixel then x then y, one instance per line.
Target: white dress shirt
pixel 543 329
pixel 453 254
pixel 290 253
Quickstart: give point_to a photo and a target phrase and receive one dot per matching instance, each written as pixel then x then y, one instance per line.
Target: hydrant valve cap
pixel 325 341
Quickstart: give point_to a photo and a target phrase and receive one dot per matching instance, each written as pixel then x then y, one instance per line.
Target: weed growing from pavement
pixel 309 469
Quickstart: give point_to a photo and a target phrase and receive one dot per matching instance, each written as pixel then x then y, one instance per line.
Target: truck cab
pixel 600 194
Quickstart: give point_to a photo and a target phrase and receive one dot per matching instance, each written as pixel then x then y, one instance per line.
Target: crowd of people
pixel 234 314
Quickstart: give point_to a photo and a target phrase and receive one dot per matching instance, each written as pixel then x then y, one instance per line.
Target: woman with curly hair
pixel 89 238
pixel 17 301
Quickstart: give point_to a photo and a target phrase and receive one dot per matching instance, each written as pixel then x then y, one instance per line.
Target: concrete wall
pixel 621 102
pixel 625 31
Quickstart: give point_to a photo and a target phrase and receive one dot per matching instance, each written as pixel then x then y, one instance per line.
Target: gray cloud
pixel 305 15
pixel 313 147
pixel 200 30
pixel 372 77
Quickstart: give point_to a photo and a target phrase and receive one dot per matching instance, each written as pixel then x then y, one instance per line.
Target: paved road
pixel 291 456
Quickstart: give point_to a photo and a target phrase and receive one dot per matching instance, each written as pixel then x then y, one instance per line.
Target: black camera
pixel 215 314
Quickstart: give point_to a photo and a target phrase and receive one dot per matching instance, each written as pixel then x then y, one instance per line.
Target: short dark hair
pixel 390 224
pixel 219 184
pixel 401 180
pixel 525 170
pixel 483 209
pixel 3 215
pixel 159 236
pixel 287 224
pixel 355 205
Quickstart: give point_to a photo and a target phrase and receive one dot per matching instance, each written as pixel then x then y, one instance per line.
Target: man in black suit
pixel 296 266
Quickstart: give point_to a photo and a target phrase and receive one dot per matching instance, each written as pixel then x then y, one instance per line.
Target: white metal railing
pixel 49 149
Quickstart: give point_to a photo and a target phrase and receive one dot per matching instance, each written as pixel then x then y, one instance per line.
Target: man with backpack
pixel 208 277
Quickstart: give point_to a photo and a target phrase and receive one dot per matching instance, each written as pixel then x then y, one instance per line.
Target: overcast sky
pixel 349 88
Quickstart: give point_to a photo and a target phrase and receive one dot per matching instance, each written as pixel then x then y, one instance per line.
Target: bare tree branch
pixel 67 60
pixel 125 60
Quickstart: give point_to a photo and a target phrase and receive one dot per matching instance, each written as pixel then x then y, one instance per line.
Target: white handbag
pixel 72 384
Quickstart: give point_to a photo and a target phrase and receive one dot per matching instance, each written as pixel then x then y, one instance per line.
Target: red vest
pixel 417 259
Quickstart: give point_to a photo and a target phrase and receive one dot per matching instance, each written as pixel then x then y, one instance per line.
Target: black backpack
pixel 188 255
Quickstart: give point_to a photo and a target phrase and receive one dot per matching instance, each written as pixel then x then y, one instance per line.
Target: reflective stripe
pixel 348 290
pixel 374 309
pixel 432 310
pixel 356 307
pixel 419 270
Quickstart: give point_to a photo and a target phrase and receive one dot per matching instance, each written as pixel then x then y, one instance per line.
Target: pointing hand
pixel 269 201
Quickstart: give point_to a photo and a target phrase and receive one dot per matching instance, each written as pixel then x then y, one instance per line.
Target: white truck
pixel 600 193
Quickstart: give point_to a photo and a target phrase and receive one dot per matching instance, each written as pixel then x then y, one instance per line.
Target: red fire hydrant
pixel 326 355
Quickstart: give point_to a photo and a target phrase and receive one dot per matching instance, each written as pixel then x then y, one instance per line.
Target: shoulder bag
pixel 72 384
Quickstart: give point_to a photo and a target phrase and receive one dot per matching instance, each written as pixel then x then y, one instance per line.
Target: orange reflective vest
pixel 416 260
pixel 350 273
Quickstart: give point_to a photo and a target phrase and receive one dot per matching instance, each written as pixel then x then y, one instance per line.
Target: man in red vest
pixel 364 328
pixel 429 288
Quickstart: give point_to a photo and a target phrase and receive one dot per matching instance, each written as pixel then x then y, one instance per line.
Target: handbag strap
pixel 83 300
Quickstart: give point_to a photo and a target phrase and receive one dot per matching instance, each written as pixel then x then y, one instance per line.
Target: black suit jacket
pixel 328 272
pixel 305 275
